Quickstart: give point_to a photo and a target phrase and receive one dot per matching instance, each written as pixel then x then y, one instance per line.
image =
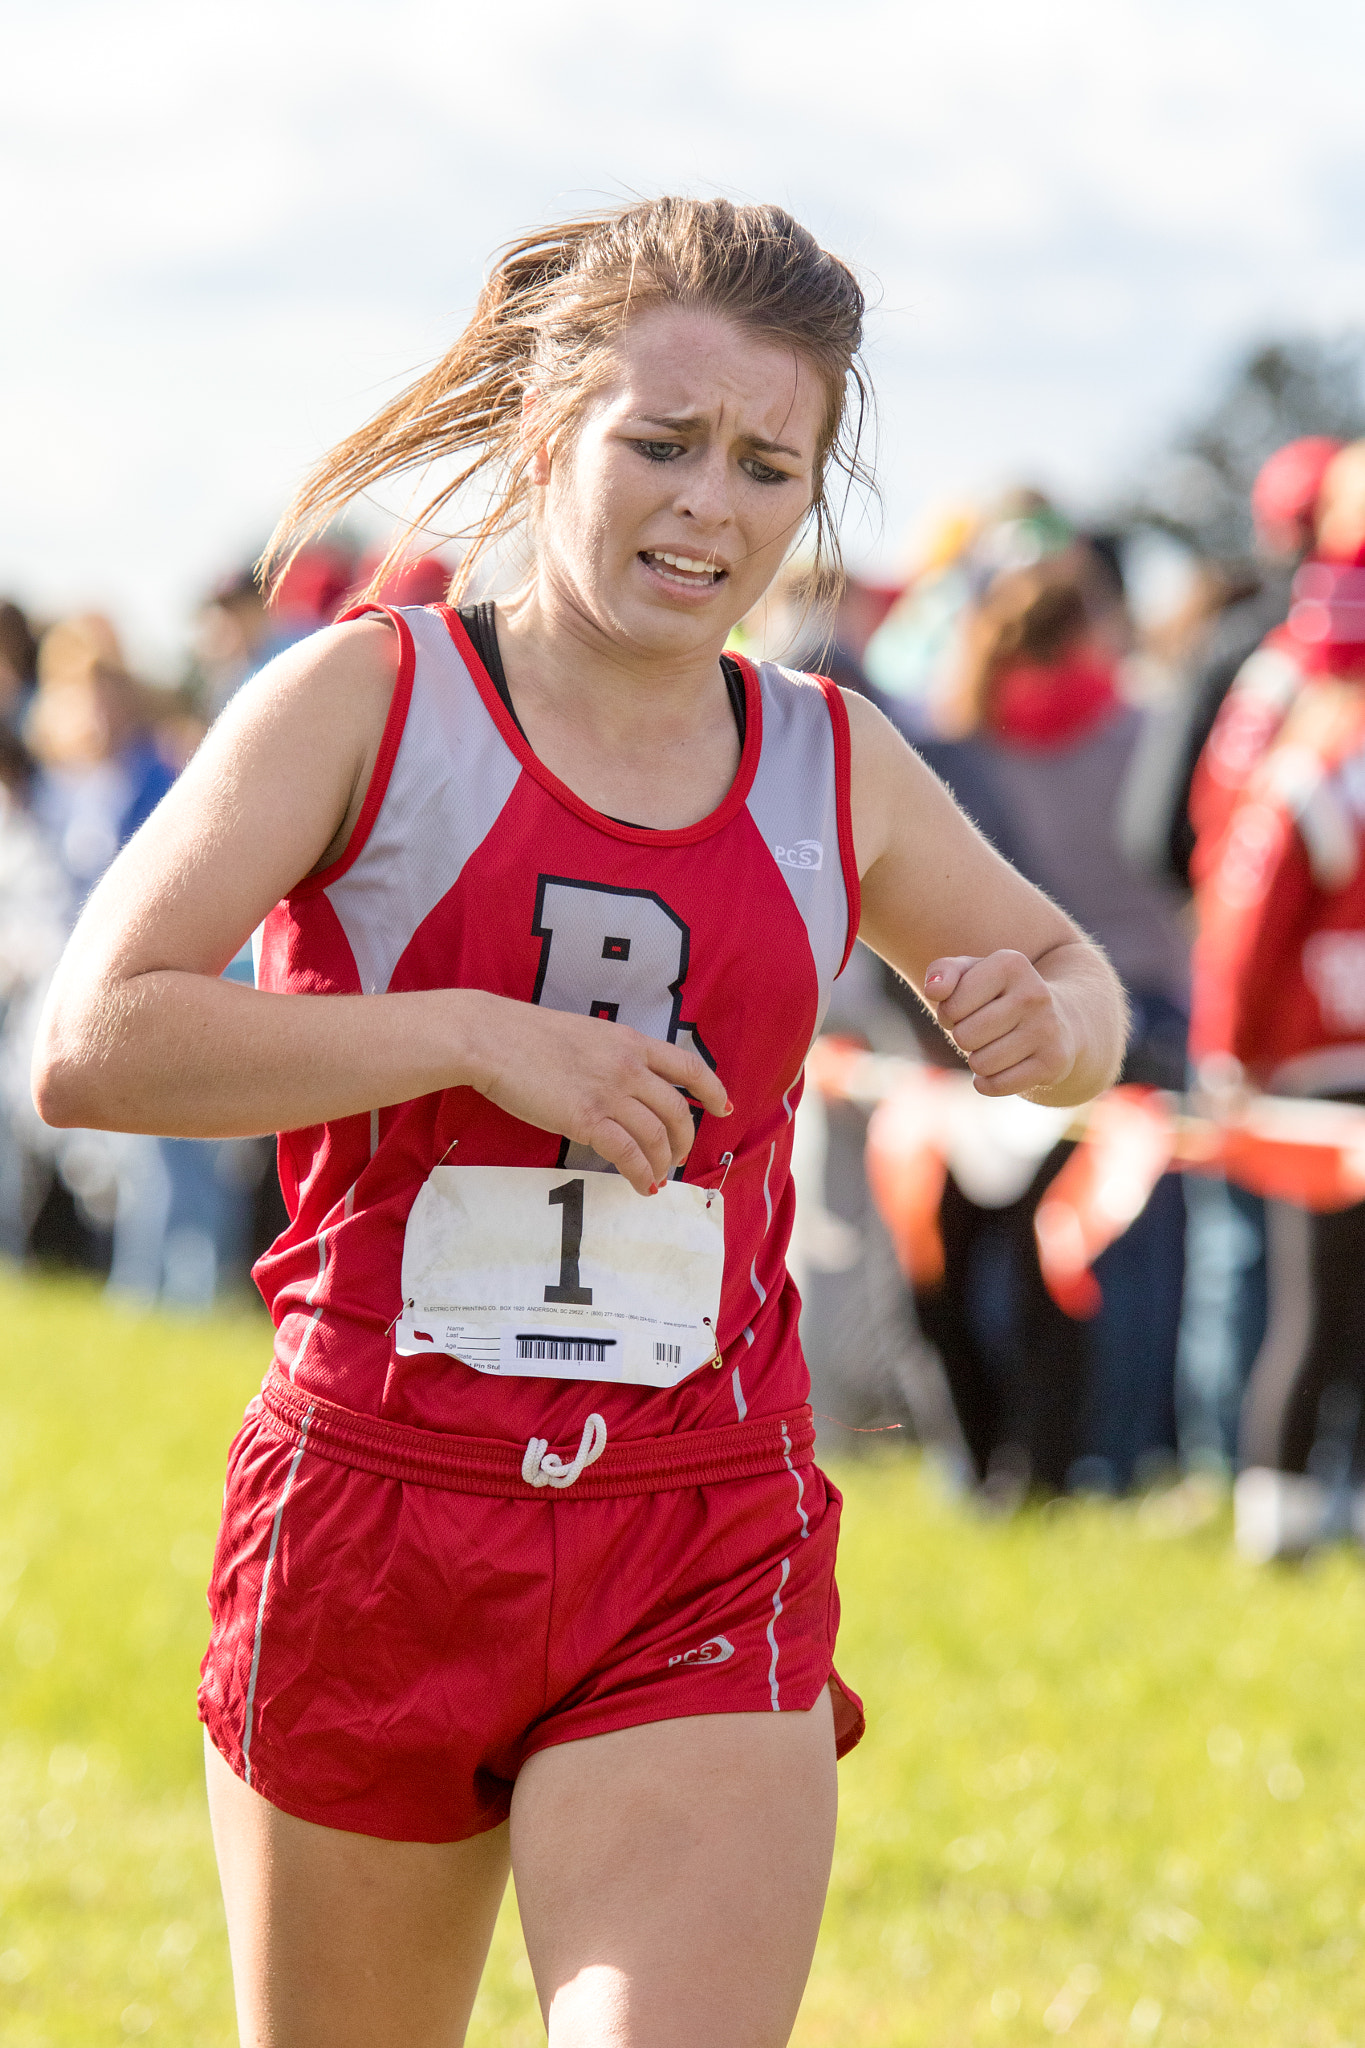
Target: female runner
pixel 524 1556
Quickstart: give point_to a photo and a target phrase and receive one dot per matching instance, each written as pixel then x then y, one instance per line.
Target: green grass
pixel 1113 1788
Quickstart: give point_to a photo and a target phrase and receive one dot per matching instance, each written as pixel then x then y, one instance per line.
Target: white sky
pixel 231 231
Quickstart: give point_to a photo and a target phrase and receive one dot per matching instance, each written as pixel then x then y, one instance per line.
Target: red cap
pixel 417 579
pixel 315 584
pixel 1284 496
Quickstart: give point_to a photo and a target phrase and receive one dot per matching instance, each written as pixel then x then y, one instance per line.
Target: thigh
pixel 345 1941
pixel 671 1878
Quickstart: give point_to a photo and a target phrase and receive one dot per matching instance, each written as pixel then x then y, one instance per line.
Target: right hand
pixel 603 1085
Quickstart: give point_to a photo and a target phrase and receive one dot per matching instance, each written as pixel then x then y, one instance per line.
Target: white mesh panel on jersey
pixel 451 777
pixel 794 804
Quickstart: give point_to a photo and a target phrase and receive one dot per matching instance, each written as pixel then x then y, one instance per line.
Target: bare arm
pixel 1027 997
pixel 141 1034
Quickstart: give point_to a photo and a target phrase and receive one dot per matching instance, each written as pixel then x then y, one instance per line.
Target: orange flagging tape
pixel 1305 1152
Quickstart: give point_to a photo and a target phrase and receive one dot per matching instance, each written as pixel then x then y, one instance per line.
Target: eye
pixel 763 472
pixel 659 451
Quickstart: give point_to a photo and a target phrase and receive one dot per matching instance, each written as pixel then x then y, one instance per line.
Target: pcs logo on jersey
pixel 806 853
pixel 713 1652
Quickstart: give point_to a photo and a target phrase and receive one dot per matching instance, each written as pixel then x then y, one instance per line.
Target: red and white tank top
pixel 473 866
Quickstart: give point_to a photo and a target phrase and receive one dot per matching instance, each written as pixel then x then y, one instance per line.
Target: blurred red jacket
pixel 1279 964
pixel 1248 719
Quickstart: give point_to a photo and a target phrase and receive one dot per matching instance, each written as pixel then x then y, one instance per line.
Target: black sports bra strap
pixel 480 621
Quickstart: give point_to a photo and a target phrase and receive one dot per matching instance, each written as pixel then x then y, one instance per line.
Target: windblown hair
pixel 546 319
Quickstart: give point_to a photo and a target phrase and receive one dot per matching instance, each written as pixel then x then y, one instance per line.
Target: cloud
pixel 237 230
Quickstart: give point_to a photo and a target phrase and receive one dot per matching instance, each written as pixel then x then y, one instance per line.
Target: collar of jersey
pixel 637 835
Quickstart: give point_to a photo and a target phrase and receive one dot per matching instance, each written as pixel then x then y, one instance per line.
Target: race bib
pixel 542 1273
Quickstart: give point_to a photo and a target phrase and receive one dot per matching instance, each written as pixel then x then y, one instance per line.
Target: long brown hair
pixel 546 317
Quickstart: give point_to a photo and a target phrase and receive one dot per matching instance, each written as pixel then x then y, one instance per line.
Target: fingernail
pixel 655 1189
pixel 729 1109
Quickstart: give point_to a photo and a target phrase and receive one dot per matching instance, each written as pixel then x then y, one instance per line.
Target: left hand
pixel 1005 1017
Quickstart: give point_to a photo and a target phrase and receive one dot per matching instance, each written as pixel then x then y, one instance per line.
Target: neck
pixel 556 651
pixel 638 732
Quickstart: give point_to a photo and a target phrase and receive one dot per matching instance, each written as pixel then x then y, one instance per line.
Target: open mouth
pixel 685 571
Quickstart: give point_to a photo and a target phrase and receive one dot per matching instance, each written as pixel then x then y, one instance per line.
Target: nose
pixel 704 489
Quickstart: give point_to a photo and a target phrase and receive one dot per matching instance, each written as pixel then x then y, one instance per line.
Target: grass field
pixel 1112 1787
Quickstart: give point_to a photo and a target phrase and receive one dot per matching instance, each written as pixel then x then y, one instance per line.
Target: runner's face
pixel 701 448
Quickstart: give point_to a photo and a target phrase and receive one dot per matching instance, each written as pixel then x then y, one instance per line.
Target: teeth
pixel 684 562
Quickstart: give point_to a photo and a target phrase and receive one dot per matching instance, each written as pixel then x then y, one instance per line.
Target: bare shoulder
pixel 863 715
pixel 307 731
pixel 342 678
pixel 893 791
pixel 876 743
pixel 276 788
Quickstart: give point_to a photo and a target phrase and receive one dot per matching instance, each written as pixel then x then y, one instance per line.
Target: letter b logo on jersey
pixel 620 954
pixel 614 953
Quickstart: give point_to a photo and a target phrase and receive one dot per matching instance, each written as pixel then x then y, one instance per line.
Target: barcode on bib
pixel 568 1350
pixel 668 1354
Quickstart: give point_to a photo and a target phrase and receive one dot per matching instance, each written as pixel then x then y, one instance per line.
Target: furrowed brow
pixel 677 424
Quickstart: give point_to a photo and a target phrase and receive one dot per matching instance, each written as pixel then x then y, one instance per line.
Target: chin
pixel 663 632
pixel 670 629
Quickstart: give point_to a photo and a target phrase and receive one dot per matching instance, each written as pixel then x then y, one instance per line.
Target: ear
pixel 534 446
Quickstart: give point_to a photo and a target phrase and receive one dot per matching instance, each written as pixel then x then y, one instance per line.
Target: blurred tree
pixel 1198 490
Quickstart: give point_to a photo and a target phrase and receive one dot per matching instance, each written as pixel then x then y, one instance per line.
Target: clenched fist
pixel 1006 1018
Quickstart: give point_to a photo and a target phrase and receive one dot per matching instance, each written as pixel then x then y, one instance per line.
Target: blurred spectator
pixel 412 580
pixel 820 639
pixel 916 653
pixel 232 639
pixel 237 632
pixel 18 664
pixel 33 927
pixel 312 590
pixel 177 1207
pixel 1280 980
pixel 98 777
pixel 1038 697
pixel 1158 834
pixel 1177 807
pixel 905 658
pixel 89 727
pixel 869 1363
pixel 1047 739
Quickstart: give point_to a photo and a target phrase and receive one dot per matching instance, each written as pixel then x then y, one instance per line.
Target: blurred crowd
pixel 87 749
pixel 1191 788
pixel 1188 781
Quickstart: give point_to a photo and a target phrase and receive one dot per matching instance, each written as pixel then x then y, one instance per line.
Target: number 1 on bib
pixel 637 1300
pixel 568 1288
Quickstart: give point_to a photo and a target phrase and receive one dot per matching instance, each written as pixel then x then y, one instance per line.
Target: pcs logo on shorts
pixel 713 1652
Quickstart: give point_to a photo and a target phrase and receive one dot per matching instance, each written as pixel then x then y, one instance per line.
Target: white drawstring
pixel 543 1467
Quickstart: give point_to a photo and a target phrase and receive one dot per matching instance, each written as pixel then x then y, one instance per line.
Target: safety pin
pixel 715 1361
pixel 440 1162
pixel 727 1160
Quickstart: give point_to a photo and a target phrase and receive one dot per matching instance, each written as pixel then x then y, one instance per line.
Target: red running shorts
pixel 399 1620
